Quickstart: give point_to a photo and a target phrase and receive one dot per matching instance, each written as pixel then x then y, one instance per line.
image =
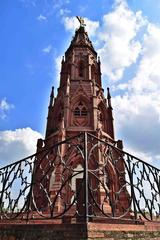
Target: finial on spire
pixel 109 98
pixel 51 97
pixel 62 59
pixel 81 21
pixel 52 92
pixel 108 93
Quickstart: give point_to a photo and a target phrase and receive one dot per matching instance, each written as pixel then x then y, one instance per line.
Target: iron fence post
pixel 132 187
pixel 86 176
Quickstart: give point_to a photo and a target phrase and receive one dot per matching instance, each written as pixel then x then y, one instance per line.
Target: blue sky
pixel 34 36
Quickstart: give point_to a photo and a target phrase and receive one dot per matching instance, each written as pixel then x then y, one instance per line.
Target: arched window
pixel 93 72
pixel 69 69
pixel 81 69
pixel 83 111
pixel 77 111
pixel 80 110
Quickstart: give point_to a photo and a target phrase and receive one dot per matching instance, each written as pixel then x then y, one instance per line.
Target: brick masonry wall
pixel 111 235
pixel 79 232
pixel 43 232
pixel 148 231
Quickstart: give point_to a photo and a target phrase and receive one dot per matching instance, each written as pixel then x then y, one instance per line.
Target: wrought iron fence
pixel 80 179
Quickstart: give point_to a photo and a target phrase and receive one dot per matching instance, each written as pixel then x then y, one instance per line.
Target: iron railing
pixel 80 179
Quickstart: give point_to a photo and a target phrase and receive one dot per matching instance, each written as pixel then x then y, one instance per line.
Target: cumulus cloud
pixel 119 47
pixel 4 108
pixel 138 109
pixel 137 120
pixel 47 49
pixel 147 78
pixel 41 18
pixel 17 144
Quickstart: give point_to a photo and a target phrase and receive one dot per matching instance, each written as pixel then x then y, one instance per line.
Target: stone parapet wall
pixel 91 231
pixel 109 235
pixel 148 231
pixel 43 232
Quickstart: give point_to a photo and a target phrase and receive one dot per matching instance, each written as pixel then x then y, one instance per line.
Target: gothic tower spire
pixel 80 100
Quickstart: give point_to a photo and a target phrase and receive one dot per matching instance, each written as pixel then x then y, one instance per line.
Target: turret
pixel 109 98
pixel 51 97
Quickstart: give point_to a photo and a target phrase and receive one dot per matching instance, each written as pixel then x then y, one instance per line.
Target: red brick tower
pixel 80 106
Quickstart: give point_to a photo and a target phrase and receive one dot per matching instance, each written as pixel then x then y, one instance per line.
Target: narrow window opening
pixel 93 71
pixel 77 111
pixel 80 110
pixel 84 112
pixel 81 69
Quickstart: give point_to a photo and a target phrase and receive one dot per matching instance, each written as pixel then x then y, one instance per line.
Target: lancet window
pixel 80 110
pixel 93 71
pixel 81 69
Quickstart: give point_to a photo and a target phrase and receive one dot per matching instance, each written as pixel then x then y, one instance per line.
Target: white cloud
pixel 4 105
pixel 4 108
pixel 57 4
pixel 15 145
pixel 147 157
pixel 120 2
pixel 41 18
pixel 138 110
pixel 57 65
pixel 28 3
pixel 91 26
pixel 56 8
pixel 64 11
pixel 118 32
pixel 137 121
pixel 71 23
pixel 47 49
pixel 147 79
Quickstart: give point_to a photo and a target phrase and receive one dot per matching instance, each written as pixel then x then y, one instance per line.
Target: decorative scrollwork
pixel 82 178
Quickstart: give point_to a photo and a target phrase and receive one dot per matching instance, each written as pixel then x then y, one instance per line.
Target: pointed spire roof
pixel 81 39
